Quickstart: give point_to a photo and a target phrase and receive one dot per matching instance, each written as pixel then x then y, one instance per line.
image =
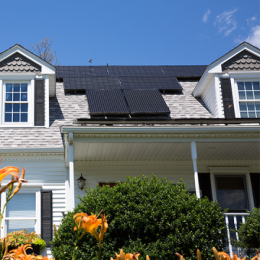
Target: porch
pixel 197 155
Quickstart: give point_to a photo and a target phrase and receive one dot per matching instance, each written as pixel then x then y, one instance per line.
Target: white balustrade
pixel 233 221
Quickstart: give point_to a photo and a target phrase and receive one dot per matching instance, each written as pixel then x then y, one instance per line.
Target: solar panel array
pixel 146 82
pixel 184 71
pixel 93 71
pixel 106 102
pixel 146 102
pixel 80 71
pixel 161 83
pixel 135 71
pixel 92 83
pixel 124 90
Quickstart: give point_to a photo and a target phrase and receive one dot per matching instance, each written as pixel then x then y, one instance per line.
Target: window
pixel 232 193
pixel 16 103
pixel 249 99
pixel 22 212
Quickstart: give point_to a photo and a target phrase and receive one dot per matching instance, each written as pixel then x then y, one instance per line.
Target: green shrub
pixel 249 233
pixel 151 217
pixel 40 242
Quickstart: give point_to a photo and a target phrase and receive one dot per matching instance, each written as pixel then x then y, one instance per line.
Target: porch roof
pixel 163 143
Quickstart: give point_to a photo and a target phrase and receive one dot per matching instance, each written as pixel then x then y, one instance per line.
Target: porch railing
pixel 233 221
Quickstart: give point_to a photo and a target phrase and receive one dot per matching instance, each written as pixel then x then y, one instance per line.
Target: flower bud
pixel 11 186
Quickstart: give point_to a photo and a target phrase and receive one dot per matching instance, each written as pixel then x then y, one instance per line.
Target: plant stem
pixel 99 253
pixel 2 213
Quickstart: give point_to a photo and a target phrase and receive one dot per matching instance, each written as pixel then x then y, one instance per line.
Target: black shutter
pixel 39 118
pixel 227 98
pixel 255 180
pixel 46 213
pixel 205 185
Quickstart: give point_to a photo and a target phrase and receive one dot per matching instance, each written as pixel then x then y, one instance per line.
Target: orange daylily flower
pixel 21 250
pixel 88 223
pixel 104 227
pixel 9 170
pixel 223 255
pixel 123 256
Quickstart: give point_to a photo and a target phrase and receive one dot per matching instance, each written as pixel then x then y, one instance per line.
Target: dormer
pixel 26 83
pixel 230 86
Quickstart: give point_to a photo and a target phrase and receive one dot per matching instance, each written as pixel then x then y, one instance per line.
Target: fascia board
pixel 46 67
pixel 205 79
pixel 32 150
pixel 215 67
pixel 161 130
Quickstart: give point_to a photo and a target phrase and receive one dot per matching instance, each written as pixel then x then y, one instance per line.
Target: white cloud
pixel 251 20
pixel 206 16
pixel 254 36
pixel 226 22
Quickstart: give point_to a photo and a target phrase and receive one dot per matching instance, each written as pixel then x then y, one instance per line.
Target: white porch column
pixel 196 176
pixel 71 172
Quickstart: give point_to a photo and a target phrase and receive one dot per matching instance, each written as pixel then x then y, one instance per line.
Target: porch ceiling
pixel 164 151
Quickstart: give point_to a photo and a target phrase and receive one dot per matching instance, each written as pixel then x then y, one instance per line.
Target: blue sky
pixel 135 32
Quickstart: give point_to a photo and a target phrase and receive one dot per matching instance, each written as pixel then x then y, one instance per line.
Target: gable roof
pixel 216 66
pixel 17 47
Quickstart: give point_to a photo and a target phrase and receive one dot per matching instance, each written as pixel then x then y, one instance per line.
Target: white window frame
pixel 29 102
pixel 37 218
pixel 28 78
pixel 242 77
pixel 234 171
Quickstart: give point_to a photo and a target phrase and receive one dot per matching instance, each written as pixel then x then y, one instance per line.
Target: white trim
pixel 146 131
pixel 244 74
pixel 3 227
pixel 235 93
pixel 218 97
pixel 17 76
pixel 71 197
pixel 47 97
pixel 196 176
pixel 245 171
pixel 29 101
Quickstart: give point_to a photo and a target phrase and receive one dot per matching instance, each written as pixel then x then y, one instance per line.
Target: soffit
pixel 164 151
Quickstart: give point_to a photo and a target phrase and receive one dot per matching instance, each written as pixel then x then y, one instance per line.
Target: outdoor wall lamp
pixel 81 182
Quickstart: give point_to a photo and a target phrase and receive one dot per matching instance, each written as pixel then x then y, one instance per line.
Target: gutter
pixel 160 130
pixel 165 121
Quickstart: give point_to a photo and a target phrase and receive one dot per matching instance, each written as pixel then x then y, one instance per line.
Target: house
pixel 195 123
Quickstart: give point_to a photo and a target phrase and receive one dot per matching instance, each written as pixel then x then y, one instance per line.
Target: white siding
pixel 112 173
pixel 48 173
pixel 209 98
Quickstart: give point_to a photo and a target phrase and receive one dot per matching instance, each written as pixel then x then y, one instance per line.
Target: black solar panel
pixel 184 71
pixel 106 102
pixel 92 83
pixel 80 71
pixel 146 102
pixel 145 82
pixel 135 71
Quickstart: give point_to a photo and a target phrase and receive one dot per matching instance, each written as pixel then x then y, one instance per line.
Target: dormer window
pixel 16 103
pixel 249 99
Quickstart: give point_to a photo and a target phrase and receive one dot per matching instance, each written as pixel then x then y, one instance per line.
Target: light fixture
pixel 81 182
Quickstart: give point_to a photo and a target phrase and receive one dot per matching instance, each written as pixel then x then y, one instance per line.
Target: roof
pixel 20 46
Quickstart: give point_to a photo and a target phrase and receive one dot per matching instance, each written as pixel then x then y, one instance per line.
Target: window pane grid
pixel 248 93
pixel 16 103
